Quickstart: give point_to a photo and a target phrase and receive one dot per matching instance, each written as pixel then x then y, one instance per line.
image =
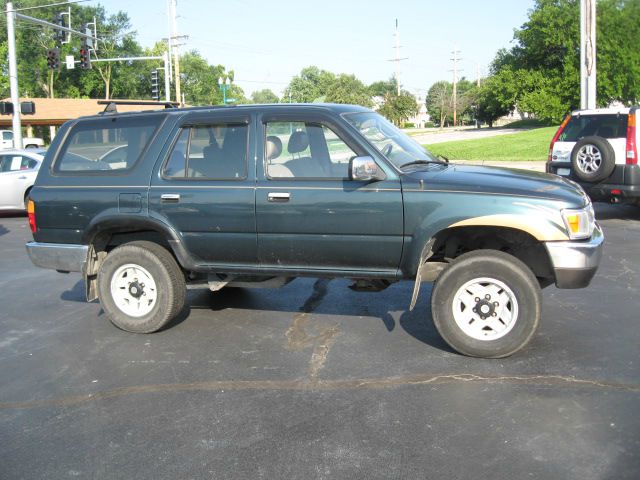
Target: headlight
pixel 579 222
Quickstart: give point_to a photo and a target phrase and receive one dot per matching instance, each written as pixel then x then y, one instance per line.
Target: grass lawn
pixel 523 146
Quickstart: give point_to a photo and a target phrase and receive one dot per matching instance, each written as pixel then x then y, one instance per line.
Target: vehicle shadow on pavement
pixel 9 214
pixel 416 323
pixel 606 211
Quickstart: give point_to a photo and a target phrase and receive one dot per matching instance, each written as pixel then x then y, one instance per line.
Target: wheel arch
pixel 105 232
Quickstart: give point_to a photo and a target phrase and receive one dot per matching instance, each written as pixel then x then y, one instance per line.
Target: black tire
pixel 170 289
pixel 31 146
pixel 495 265
pixel 593 159
pixel 26 197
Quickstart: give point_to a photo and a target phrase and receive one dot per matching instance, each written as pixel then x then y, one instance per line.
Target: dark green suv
pixel 148 204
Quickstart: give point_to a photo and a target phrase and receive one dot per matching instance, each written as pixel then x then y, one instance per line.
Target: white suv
pixel 598 148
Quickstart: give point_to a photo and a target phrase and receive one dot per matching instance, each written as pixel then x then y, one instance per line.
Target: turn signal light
pixel 31 211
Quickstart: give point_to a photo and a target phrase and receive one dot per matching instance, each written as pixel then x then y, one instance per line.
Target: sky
pixel 266 43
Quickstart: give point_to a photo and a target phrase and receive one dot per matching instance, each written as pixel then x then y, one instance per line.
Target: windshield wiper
pixel 423 162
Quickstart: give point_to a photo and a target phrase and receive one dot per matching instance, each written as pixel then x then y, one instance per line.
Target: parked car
pixel 18 171
pixel 6 141
pixel 599 149
pixel 256 195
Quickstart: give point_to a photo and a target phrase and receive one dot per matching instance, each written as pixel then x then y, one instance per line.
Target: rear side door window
pixel 213 151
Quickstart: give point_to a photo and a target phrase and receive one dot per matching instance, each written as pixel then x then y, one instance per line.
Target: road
pixel 315 381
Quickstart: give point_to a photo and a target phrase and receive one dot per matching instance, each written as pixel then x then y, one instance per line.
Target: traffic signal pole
pixel 12 15
pixel 13 76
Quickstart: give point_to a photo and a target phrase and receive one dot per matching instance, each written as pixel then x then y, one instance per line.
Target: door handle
pixel 278 197
pixel 170 197
pixel 22 177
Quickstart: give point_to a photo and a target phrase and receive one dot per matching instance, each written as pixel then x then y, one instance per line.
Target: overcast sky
pixel 268 42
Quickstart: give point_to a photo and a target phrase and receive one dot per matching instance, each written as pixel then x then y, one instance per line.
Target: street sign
pixel 70 62
pixel 231 100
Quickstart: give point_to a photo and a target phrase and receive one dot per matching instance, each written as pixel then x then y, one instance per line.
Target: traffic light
pixel 85 60
pixel 155 92
pixel 85 45
pixel 53 58
pixel 59 35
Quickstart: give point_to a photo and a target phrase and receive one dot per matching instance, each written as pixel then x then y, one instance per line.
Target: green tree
pixel 348 89
pixel 544 64
pixel 491 104
pixel 398 108
pixel 199 80
pixel 311 84
pixel 439 102
pixel 264 96
pixel 382 87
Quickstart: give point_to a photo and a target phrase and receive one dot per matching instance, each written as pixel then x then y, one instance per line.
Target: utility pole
pixel 455 61
pixel 587 54
pixel 173 14
pixel 13 76
pixel 397 58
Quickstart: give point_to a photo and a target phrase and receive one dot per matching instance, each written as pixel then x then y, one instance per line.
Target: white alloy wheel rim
pixel 485 309
pixel 133 290
pixel 589 159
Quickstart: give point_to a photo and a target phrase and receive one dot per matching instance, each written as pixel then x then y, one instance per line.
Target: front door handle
pixel 170 197
pixel 278 197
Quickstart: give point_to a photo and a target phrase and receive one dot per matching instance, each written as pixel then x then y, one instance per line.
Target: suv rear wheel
pixel 486 304
pixel 140 286
pixel 593 159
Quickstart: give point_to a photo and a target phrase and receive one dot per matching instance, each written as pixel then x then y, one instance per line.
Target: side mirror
pixel 365 169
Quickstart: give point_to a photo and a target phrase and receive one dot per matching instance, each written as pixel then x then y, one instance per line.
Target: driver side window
pixel 305 150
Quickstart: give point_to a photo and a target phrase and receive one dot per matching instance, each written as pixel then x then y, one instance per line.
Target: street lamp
pixel 223 85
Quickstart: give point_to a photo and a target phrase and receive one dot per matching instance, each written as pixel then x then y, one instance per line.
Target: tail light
pixel 632 147
pixel 31 211
pixel 557 135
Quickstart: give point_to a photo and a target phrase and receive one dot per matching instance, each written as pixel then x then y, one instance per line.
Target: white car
pixel 599 149
pixel 18 171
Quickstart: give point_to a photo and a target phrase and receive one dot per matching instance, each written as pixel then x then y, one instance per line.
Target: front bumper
pixel 575 262
pixel 58 256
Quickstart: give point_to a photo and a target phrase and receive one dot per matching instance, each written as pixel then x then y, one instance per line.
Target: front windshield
pixel 388 139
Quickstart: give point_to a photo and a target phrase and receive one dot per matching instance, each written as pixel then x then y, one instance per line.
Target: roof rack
pixel 111 105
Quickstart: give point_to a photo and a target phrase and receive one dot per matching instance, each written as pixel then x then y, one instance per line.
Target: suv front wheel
pixel 140 286
pixel 486 304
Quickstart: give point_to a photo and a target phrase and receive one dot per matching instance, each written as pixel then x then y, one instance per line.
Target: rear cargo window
pixel 607 126
pixel 106 145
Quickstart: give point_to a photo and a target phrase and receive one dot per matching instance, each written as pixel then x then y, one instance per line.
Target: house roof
pixel 56 111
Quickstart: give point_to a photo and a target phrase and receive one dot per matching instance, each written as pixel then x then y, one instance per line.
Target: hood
pixel 500 180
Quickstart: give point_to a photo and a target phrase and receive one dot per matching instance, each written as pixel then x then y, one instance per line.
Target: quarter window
pixel 106 145
pixel 209 152
pixel 305 150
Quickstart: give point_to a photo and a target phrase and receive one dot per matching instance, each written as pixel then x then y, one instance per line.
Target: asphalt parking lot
pixel 316 381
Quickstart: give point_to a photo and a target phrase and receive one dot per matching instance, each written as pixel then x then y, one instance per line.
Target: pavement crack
pixel 315 385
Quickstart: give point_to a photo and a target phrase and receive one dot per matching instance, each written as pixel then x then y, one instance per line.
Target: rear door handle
pixel 278 197
pixel 170 197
